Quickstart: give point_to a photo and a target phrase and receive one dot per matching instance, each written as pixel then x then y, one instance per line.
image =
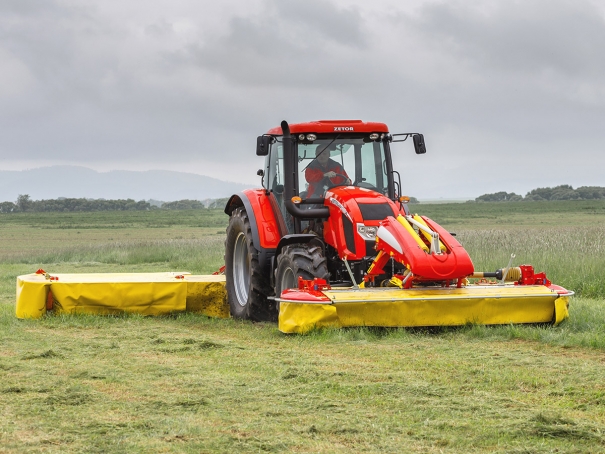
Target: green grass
pixel 192 384
pixel 119 219
pixel 188 383
pixel 571 257
pixel 514 215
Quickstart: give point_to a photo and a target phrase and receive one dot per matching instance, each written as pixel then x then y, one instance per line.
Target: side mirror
pixel 419 145
pixel 262 145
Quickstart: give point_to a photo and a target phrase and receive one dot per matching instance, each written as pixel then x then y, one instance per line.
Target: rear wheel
pixel 247 287
pixel 304 260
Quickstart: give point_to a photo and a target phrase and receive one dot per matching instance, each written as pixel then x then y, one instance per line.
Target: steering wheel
pixel 329 183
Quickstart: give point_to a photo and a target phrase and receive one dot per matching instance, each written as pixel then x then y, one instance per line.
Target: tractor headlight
pixel 367 232
pixel 373 136
pixel 311 137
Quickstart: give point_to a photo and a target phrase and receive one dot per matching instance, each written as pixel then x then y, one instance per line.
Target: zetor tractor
pixel 330 223
pixel 281 232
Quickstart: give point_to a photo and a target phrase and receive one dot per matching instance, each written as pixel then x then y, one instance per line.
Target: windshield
pixel 326 163
pixel 352 161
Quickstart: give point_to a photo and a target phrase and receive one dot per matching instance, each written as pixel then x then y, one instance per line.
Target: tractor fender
pixel 266 222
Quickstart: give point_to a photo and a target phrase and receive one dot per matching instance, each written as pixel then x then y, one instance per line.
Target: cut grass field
pixel 191 384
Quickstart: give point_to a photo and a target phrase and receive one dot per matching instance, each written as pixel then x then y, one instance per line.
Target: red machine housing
pixel 340 230
pixel 394 241
pixel 331 126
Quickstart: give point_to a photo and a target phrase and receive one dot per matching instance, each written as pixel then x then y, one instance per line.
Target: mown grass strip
pixel 191 384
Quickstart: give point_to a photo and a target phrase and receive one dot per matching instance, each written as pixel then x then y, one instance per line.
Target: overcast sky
pixel 510 95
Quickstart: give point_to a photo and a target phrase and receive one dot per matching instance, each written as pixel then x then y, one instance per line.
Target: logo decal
pixel 340 206
pixel 343 128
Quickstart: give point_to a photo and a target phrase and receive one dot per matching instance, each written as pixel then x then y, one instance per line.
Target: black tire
pixel 305 260
pixel 247 284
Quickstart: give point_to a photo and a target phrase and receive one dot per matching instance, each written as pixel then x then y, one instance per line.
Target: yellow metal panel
pixel 146 298
pixel 561 309
pixel 113 293
pixel 489 305
pixel 300 318
pixel 32 291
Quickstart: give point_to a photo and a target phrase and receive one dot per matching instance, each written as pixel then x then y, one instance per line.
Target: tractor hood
pixel 360 204
pixel 355 215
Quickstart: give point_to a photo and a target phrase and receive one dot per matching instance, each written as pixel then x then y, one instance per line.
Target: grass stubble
pixel 187 383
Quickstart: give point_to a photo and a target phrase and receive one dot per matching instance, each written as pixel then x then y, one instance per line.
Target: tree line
pixel 25 204
pixel 562 192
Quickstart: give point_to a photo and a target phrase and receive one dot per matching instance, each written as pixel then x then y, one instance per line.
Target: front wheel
pixel 247 286
pixel 304 260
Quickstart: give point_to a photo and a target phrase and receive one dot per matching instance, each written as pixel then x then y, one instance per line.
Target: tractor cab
pixel 306 161
pixel 323 164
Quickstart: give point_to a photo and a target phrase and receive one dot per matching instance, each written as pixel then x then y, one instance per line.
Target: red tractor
pixel 328 187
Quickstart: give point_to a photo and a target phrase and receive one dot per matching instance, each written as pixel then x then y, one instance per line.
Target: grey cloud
pixel 525 37
pixel 160 29
pixel 495 88
pixel 287 44
pixel 315 18
pixel 531 69
pixel 28 7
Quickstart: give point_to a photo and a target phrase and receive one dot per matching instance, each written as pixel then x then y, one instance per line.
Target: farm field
pixel 187 383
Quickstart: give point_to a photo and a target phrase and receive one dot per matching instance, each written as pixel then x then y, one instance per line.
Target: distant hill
pixel 81 182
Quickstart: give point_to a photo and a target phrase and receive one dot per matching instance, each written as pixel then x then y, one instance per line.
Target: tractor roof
pixel 331 126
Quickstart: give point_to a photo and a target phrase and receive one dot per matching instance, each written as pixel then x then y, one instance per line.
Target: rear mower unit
pixel 330 241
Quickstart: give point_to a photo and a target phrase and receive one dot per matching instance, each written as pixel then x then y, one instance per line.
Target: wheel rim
pixel 241 269
pixel 288 279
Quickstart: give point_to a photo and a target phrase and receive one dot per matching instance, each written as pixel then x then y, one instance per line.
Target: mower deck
pixel 303 310
pixel 114 293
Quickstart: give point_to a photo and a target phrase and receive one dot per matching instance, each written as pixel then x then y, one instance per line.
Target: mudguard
pixel 266 221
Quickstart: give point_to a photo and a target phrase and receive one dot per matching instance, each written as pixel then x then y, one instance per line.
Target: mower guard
pixel 115 293
pixel 302 310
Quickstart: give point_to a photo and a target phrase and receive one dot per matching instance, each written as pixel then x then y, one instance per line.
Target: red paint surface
pixel 349 197
pixel 267 224
pixel 328 126
pixel 453 264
